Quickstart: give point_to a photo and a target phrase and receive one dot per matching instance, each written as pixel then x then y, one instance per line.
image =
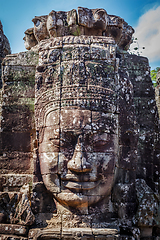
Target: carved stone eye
pixel 68 140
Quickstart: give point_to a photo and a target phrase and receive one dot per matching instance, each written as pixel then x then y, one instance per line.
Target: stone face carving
pixel 94 21
pixel 80 162
pixel 80 126
pixel 85 136
pixel 40 28
pixel 29 39
pixel 78 147
pixel 62 23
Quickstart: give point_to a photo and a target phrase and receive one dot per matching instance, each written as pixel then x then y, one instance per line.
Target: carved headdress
pixel 76 71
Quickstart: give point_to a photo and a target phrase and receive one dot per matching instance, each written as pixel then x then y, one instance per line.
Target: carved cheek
pixel 102 163
pixel 48 160
pixel 108 166
pixel 62 164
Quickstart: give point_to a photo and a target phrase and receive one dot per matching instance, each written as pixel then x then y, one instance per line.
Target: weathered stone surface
pixel 29 39
pixel 17 210
pixel 16 162
pixel 40 29
pixel 4 48
pixel 13 182
pixel 13 229
pixel 147 212
pixel 157 92
pixel 13 237
pixel 90 22
pixel 17 120
pixel 80 126
pixel 75 233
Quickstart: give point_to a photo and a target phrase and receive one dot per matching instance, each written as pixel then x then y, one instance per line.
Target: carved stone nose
pixel 78 163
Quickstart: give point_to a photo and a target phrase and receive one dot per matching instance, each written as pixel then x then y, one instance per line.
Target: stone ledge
pixel 13 229
pixel 74 233
pixel 11 237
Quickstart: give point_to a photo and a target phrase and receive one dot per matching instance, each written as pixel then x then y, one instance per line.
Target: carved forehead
pixel 68 118
pixel 105 121
pixel 72 119
pixel 52 118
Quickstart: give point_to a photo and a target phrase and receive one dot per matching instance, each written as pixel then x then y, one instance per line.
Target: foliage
pixel 154 75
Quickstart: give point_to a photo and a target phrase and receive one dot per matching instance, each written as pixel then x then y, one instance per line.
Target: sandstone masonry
pixel 80 134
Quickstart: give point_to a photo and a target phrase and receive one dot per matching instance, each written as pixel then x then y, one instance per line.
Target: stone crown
pixel 90 22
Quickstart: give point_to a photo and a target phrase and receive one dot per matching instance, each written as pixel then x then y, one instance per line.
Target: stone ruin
pixel 80 137
pixel 4 49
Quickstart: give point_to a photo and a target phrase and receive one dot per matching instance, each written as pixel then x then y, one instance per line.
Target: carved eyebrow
pixel 101 131
pixel 71 132
pixel 100 138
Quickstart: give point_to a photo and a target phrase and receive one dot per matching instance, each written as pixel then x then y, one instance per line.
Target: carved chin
pixel 77 194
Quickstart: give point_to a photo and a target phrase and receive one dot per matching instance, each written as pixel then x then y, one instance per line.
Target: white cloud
pixel 148 34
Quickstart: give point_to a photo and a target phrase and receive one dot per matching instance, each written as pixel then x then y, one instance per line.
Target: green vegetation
pixel 154 75
pixel 77 32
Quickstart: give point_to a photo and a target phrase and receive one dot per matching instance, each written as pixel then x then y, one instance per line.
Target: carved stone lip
pixel 79 178
pixel 80 185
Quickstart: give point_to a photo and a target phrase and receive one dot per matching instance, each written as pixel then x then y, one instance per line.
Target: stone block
pixel 104 71
pixel 49 77
pixel 124 193
pixel 74 72
pixel 102 52
pixel 41 219
pixel 29 58
pixel 18 118
pixel 13 182
pixel 128 158
pixel 16 141
pixel 13 237
pixel 18 78
pixel 16 162
pixel 13 229
pixel 125 176
pixel 53 233
pixel 42 201
pixel 81 52
pixel 143 87
pixel 107 233
pixel 146 112
pixel 54 55
pixel 73 233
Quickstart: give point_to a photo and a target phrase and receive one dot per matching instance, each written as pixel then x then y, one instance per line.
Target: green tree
pixel 154 75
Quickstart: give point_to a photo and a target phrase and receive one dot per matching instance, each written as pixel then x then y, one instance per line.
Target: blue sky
pixel 142 15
